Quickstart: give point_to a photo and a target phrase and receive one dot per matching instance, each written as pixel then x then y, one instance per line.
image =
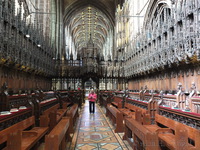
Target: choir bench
pixel 175 135
pixel 116 116
pixel 15 101
pixel 167 132
pixel 117 102
pixel 129 110
pixel 138 136
pixel 64 99
pixel 73 114
pixel 57 138
pixel 52 116
pixel 18 138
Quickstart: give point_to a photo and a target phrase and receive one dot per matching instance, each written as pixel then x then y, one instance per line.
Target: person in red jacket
pixel 92 98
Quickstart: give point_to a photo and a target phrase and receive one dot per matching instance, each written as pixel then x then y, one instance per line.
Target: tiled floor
pixel 95 132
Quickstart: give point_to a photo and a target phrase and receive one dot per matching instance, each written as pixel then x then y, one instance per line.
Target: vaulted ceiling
pixel 89 21
pixel 87 18
pixel 106 6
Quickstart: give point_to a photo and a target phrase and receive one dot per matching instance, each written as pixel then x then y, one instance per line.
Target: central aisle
pixel 94 132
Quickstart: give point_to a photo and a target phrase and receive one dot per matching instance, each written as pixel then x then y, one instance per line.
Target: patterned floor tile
pixel 100 129
pixel 86 129
pixel 93 118
pixel 110 146
pixel 96 137
pixel 93 123
pixel 96 132
pixel 91 146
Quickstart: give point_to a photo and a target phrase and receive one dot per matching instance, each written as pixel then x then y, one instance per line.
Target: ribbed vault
pixel 87 21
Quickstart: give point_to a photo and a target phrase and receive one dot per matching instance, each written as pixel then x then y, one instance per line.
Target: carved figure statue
pixel 178 99
pixel 161 102
pixel 192 93
pixel 141 93
pixel 193 90
pixel 145 89
pixel 4 88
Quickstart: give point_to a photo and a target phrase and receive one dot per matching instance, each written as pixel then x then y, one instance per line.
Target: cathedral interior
pixel 141 58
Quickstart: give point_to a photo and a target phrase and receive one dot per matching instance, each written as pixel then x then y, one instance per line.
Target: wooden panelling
pixel 19 80
pixel 166 81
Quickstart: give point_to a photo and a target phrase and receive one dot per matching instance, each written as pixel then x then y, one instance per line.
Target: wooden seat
pixel 152 128
pixel 179 140
pixel 116 116
pixel 30 138
pixel 56 139
pixel 50 109
pixel 136 131
pixel 126 109
pixel 60 113
pixel 14 101
pixel 65 105
pixel 73 114
pixel 129 110
pixel 52 116
pixel 168 140
pixel 117 102
pixel 114 103
pixel 175 135
pixel 18 139
pixel 161 120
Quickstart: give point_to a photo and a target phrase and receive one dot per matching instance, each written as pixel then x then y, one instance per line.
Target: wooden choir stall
pixel 156 120
pixel 32 118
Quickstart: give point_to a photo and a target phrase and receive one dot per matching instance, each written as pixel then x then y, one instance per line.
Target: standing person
pixel 92 98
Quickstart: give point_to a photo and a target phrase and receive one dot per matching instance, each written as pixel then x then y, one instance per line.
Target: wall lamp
pixel 28 36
